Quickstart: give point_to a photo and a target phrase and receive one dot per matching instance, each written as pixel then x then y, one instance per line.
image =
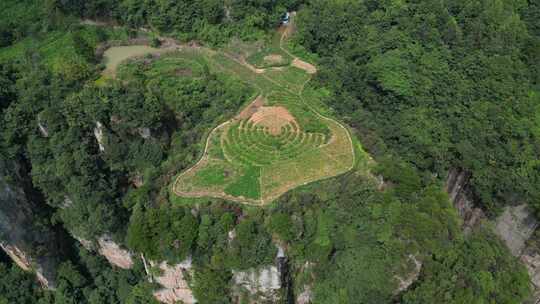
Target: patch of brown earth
pixel 273 59
pixel 308 67
pixel 114 254
pixel 252 108
pixel 272 118
pixel 173 280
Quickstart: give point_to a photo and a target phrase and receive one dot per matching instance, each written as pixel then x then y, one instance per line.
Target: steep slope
pixel 25 234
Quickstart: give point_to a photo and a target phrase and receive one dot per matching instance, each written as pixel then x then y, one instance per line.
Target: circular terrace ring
pixel 270 135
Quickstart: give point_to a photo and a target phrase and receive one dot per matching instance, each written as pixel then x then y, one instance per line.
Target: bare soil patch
pixel 252 108
pixel 273 118
pixel 308 67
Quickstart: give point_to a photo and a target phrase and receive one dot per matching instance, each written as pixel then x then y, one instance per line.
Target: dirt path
pixel 297 62
pixel 313 70
pixel 203 156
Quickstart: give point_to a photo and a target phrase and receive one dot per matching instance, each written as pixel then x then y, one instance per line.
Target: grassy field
pixel 270 54
pixel 283 144
pixel 57 49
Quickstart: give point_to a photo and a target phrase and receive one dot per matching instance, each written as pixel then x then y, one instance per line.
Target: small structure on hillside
pixel 286 18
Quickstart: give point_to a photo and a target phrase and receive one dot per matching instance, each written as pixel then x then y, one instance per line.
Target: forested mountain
pixel 424 88
pixel 442 85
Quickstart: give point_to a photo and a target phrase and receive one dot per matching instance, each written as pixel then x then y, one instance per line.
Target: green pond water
pixel 115 55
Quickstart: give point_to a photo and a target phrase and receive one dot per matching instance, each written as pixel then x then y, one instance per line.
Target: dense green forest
pixel 87 280
pixel 426 86
pixel 440 84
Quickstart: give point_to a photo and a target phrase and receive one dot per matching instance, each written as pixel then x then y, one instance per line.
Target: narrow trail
pixel 282 39
pixel 204 156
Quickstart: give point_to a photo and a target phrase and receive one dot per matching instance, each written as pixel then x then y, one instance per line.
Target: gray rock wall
pixel 24 233
pixel 173 280
pixel 264 284
pixel 457 187
pixel 515 226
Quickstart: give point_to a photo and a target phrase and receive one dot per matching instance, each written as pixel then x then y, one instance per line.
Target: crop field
pixel 276 143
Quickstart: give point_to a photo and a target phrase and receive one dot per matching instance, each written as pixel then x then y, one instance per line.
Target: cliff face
pixel 265 284
pixel 173 279
pixel 110 250
pixel 458 189
pixel 24 235
pixel 99 133
pixel 515 226
pixel 406 280
pixel 262 283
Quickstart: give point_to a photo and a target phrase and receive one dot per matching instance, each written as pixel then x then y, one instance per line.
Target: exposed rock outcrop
pixel 110 250
pixel 264 284
pixel 43 129
pixel 515 226
pixel 99 133
pixel 306 296
pixel 409 278
pixel 26 263
pixel 137 180
pixel 531 259
pixel 116 255
pixel 460 194
pixel 144 132
pixel 173 278
pixel 24 236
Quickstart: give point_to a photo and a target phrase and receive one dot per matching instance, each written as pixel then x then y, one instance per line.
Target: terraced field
pixel 276 143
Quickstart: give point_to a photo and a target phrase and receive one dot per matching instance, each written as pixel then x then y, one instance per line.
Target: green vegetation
pixel 146 233
pixel 479 256
pixel 115 55
pixel 249 144
pixel 248 185
pixel 67 48
pixel 17 286
pixel 264 156
pixel 427 86
pixel 441 85
pixel 211 175
pixel 212 21
pixel 356 235
pixel 89 280
pixel 270 54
